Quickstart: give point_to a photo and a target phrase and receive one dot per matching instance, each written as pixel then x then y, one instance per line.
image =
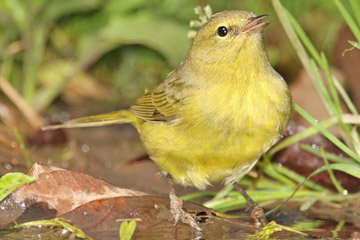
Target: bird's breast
pixel 220 133
pixel 238 109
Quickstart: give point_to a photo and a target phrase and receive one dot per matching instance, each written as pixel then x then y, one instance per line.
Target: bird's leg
pixel 177 211
pixel 256 212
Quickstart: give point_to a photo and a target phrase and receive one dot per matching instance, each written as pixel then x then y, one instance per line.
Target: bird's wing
pixel 163 102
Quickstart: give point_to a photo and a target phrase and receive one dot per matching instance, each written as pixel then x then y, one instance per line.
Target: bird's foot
pixel 179 214
pixel 257 213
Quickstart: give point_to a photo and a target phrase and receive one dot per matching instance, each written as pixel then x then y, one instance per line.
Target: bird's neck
pixel 249 63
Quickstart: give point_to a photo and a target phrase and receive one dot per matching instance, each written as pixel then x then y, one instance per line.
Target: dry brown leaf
pixel 65 190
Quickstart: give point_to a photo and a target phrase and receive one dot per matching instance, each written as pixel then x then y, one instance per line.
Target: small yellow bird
pixel 216 114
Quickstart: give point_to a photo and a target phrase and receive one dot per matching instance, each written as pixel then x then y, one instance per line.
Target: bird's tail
pixel 118 117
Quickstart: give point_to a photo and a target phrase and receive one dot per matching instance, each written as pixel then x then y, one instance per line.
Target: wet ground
pixel 115 154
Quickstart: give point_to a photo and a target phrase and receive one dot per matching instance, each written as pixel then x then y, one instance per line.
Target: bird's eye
pixel 222 31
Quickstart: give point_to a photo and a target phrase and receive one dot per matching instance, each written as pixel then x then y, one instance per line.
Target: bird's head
pixel 227 35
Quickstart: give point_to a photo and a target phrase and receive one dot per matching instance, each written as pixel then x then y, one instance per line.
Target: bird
pixel 215 115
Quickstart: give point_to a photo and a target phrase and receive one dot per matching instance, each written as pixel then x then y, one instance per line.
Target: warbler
pixel 216 114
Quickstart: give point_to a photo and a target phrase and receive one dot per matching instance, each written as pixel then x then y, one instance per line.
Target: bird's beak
pixel 255 25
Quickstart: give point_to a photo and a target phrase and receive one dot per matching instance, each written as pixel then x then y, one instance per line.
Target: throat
pixel 252 63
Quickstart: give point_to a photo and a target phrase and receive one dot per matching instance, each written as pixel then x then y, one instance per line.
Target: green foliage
pixel 73 38
pixel 355 44
pixel 350 169
pixel 308 225
pixel 330 95
pixel 127 230
pixel 11 181
pixel 337 229
pixel 270 228
pixel 43 14
pixel 288 182
pixel 80 33
pixel 327 133
pixel 55 222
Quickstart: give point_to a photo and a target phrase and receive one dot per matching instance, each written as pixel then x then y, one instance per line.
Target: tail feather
pixel 119 117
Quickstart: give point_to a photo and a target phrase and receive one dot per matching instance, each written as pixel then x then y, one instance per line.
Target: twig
pixel 32 117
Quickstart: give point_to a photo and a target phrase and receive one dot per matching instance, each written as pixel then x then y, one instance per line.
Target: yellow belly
pixel 218 137
pixel 199 156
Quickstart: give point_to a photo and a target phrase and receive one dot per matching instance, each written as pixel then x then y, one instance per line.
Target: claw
pixel 257 213
pixel 179 214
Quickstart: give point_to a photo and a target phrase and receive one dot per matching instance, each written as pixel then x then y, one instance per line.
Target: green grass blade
pixel 299 178
pixel 294 39
pixel 304 38
pixel 33 58
pixel 307 205
pixel 46 95
pixel 335 232
pixel 336 183
pixel 223 192
pixel 355 44
pixel 337 107
pixel 23 148
pixel 322 90
pixel 227 204
pixel 349 20
pixel 326 133
pixel 300 136
pixel 262 183
pixel 308 225
pixel 355 6
pixel 270 228
pixel 331 156
pixel 194 195
pixel 269 169
pixel 345 96
pixel 355 139
pixel 350 169
pixel 283 16
pixel 67 225
pixel 55 222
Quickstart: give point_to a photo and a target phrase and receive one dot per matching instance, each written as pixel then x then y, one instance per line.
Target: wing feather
pixel 163 102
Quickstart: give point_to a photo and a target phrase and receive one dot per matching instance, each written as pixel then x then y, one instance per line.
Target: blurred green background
pixel 67 51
